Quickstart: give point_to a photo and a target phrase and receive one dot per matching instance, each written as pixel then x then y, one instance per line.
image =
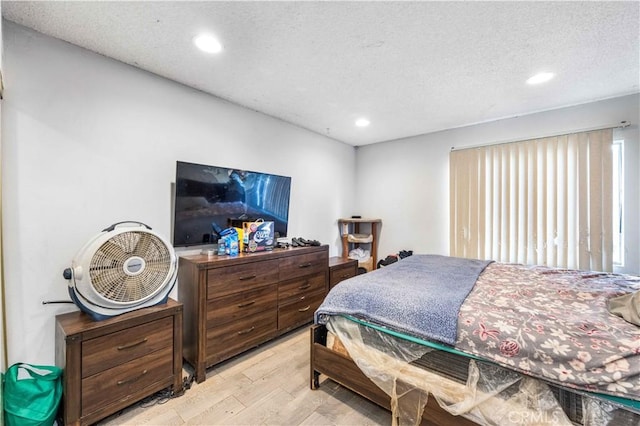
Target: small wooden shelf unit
pixel 351 237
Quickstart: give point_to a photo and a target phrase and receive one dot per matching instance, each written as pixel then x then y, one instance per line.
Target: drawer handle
pixel 304 309
pixel 304 286
pixel 244 305
pixel 345 276
pixel 305 265
pixel 249 330
pixel 132 345
pixel 250 277
pixel 133 379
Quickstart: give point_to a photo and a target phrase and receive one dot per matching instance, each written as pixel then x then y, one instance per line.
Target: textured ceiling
pixel 410 67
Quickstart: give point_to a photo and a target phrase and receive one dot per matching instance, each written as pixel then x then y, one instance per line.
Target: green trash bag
pixel 31 394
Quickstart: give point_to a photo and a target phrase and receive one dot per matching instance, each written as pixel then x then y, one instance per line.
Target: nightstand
pixel 111 364
pixel 340 269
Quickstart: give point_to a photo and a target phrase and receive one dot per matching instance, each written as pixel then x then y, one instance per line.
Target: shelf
pixel 367 264
pixel 352 238
pixel 360 238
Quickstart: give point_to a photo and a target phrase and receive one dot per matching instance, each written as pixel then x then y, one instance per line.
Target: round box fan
pixel 125 267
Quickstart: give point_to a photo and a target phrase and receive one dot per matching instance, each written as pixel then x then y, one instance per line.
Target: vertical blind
pixel 544 201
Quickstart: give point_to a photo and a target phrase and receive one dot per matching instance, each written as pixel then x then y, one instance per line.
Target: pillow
pixel 626 306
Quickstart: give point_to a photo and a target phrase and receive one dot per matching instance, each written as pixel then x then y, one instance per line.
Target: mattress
pixel 404 366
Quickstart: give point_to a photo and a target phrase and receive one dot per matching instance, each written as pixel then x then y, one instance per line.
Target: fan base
pixel 101 314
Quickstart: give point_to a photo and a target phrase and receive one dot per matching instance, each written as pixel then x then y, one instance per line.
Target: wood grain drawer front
pixel 237 306
pixel 113 349
pixel 299 311
pixel 236 336
pixel 119 382
pixel 341 273
pixel 232 279
pixel 300 287
pixel 305 264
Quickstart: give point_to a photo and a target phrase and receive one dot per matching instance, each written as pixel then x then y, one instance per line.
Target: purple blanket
pixel 554 324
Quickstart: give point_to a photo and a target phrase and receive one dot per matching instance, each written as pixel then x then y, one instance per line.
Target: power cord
pixel 188 381
pixel 158 398
pixel 163 396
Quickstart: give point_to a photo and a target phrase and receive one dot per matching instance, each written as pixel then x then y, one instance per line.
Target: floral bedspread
pixel 554 324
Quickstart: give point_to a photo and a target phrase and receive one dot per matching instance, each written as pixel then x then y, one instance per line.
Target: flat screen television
pixel 209 199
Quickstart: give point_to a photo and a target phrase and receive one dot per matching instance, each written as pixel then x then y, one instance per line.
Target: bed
pixel 442 340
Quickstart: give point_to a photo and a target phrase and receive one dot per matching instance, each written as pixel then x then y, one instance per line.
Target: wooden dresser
pixel 232 304
pixel 111 364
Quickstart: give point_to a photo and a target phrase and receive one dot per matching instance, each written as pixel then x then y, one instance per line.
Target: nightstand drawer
pixel 127 379
pixel 342 272
pixel 232 279
pixel 241 305
pixel 307 264
pixel 299 311
pixel 113 349
pixel 300 287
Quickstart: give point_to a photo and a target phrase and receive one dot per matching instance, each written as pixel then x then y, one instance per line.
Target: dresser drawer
pixel 232 338
pixel 126 379
pixel 232 279
pixel 302 286
pixel 342 272
pixel 299 311
pixel 113 349
pixel 237 306
pixel 305 264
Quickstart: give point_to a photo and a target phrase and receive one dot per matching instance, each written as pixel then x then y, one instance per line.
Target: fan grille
pixel 107 267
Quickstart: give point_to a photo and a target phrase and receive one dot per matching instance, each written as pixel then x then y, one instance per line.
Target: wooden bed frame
pixel 343 370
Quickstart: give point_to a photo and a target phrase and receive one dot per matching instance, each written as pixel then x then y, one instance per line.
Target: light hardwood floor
pixel 268 385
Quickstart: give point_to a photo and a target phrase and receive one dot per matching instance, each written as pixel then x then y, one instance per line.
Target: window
pixel 618 202
pixel 544 201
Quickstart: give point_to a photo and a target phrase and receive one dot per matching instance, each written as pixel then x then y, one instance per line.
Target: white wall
pixel 406 182
pixel 88 141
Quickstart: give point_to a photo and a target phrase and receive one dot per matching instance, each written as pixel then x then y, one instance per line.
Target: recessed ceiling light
pixel 207 43
pixel 362 122
pixel 540 78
